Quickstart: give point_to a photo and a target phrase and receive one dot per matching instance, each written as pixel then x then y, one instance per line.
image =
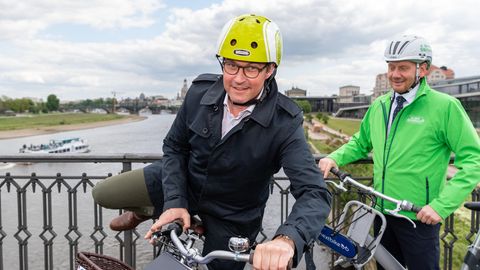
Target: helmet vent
pixel 403 46
pixel 395 48
pixel 258 21
pixel 233 42
pixel 254 45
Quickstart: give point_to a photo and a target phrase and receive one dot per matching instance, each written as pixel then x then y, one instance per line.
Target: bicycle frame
pixel 472 258
pixel 360 225
pixel 358 246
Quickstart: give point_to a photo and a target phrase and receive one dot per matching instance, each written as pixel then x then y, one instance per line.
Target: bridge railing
pixel 37 209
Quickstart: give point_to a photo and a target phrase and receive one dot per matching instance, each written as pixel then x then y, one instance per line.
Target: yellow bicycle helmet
pixel 251 38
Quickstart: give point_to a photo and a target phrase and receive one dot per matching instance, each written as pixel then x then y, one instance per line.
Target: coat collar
pixel 263 112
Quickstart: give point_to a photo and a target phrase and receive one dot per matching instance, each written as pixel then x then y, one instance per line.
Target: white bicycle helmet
pixel 409 48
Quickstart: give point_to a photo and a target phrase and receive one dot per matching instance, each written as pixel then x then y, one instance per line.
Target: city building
pixel 296 92
pixel 467 90
pixel 382 85
pixel 347 93
pixel 442 73
pixel 321 104
pixel 183 91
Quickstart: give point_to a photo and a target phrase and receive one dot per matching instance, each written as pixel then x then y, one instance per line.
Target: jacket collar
pixel 215 94
pixel 263 112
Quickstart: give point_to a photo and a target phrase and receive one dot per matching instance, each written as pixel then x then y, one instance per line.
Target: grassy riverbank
pixel 347 126
pixel 50 120
pixel 24 126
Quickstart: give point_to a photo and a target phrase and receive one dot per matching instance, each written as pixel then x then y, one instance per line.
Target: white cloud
pixel 21 19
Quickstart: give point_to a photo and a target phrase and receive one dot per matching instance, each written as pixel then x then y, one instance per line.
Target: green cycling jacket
pixel 411 162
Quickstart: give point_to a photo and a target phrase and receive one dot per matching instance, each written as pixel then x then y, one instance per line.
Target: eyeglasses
pixel 250 72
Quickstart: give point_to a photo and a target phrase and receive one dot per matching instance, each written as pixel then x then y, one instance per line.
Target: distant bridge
pixel 132 108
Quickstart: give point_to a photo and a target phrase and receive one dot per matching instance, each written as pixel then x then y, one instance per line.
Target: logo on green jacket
pixel 416 120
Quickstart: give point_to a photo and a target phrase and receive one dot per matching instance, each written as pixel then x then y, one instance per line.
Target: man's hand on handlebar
pixel 170 215
pixel 325 164
pixel 275 254
pixel 428 216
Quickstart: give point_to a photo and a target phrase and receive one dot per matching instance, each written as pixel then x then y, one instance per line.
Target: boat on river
pixel 65 146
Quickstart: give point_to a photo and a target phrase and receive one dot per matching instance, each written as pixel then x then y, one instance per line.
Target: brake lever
pixel 395 213
pixel 337 186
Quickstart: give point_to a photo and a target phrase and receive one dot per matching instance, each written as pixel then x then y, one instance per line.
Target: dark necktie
pixel 400 101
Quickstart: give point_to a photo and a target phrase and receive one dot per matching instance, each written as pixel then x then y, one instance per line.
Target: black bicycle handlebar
pixel 174 226
pixel 340 174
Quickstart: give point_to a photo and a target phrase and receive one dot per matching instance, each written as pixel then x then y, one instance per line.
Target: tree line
pixel 52 104
pixel 89 103
pixel 23 105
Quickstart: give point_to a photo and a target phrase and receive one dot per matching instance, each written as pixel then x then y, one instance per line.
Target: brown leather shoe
pixel 127 221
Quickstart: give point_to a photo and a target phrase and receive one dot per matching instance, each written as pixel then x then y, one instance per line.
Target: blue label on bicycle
pixel 337 242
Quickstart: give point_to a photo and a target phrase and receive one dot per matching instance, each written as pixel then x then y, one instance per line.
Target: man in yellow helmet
pixel 231 135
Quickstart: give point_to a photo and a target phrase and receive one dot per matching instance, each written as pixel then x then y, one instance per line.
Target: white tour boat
pixel 72 145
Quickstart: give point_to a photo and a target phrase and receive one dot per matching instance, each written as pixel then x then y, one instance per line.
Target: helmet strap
pixel 417 77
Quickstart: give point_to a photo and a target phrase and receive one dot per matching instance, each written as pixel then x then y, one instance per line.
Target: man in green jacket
pixel 412 132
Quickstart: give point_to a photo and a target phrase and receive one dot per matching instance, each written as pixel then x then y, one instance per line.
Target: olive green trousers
pixel 126 191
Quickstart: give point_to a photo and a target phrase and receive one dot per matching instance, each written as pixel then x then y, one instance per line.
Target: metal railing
pixel 19 190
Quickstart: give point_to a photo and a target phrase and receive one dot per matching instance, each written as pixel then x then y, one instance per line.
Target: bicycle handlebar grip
pixel 416 209
pixel 289 266
pixel 174 226
pixel 338 173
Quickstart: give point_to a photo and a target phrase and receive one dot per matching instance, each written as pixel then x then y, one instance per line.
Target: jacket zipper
pixel 386 118
pixel 385 155
pixel 394 131
pixel 427 186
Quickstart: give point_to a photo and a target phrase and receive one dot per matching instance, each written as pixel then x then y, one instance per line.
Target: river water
pixel 137 137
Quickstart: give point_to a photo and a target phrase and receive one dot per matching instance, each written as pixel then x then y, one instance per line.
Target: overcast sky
pixel 90 48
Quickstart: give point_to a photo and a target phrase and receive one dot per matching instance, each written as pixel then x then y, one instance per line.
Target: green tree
pixel 53 103
pixel 308 118
pixel 2 105
pixel 39 107
pixel 305 105
pixel 19 105
pixel 325 119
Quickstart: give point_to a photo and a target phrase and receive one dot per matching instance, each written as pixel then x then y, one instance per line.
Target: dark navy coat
pixel 229 178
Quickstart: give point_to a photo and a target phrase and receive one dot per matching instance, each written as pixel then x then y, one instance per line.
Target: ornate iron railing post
pixel 129 243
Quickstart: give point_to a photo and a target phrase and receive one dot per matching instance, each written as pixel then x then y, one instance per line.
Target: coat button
pixel 215 108
pixel 205 130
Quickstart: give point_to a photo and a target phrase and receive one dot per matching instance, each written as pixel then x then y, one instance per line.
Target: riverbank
pixel 18 133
